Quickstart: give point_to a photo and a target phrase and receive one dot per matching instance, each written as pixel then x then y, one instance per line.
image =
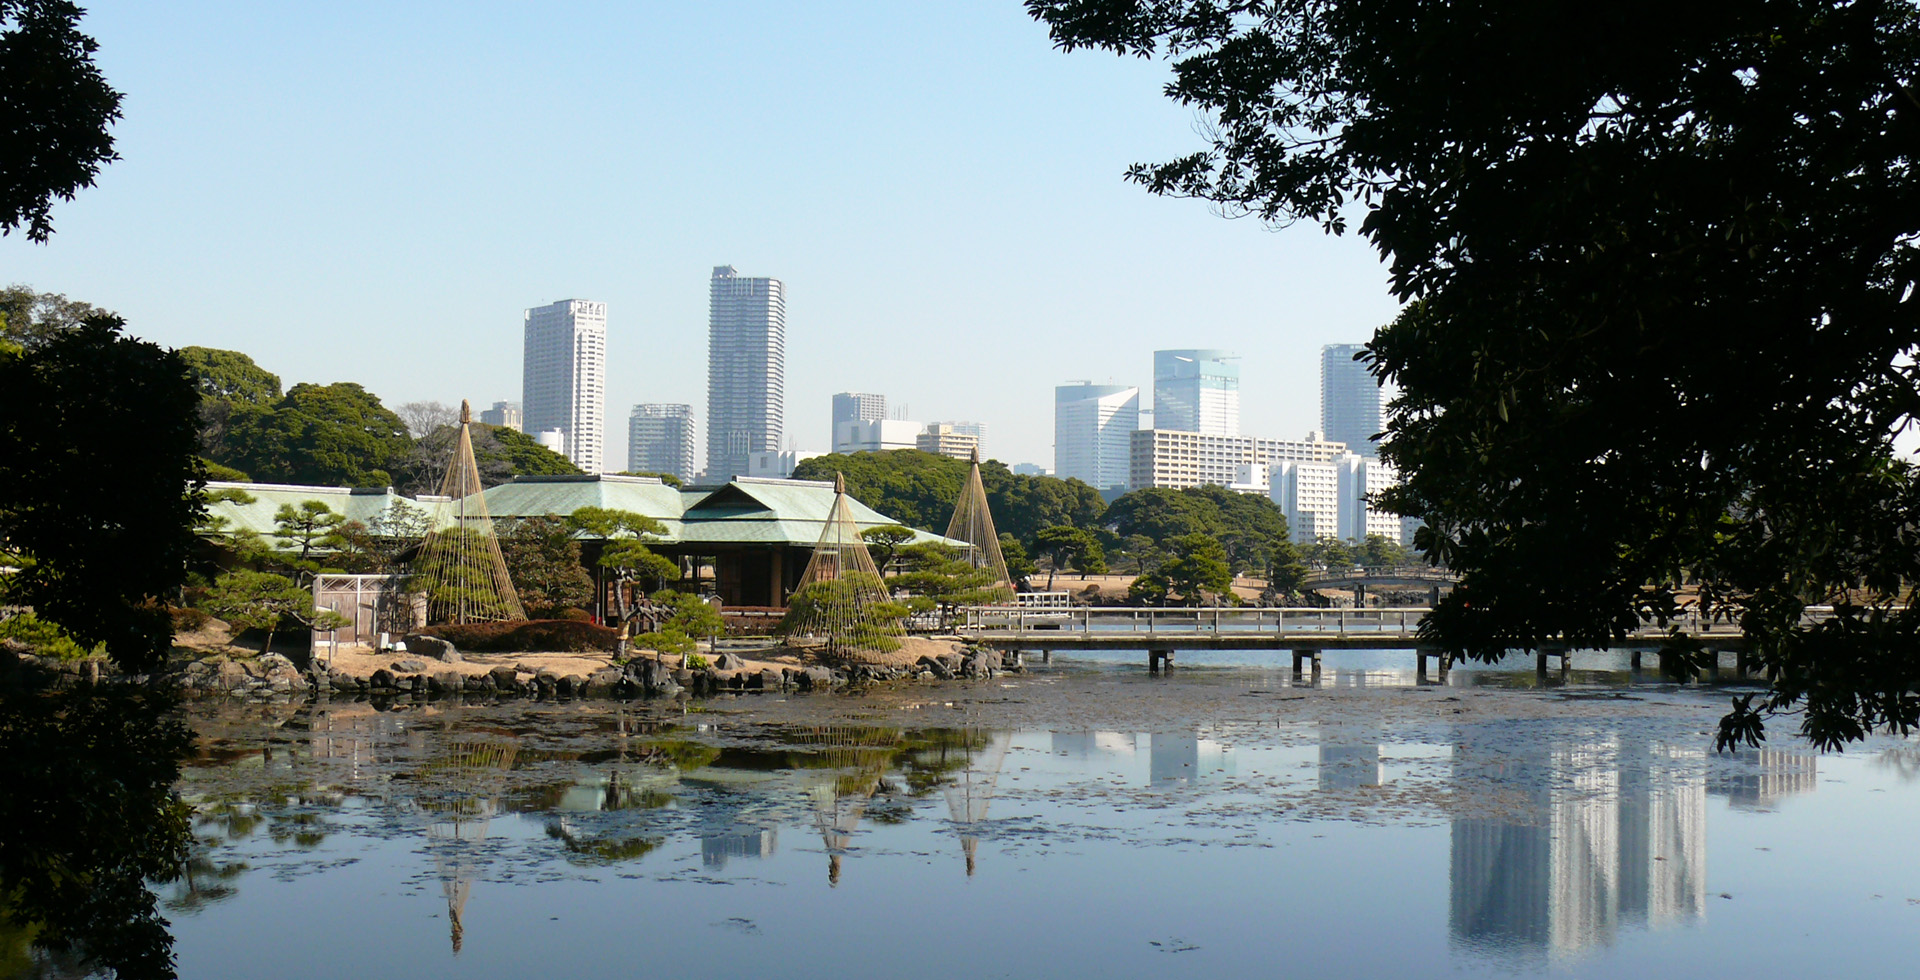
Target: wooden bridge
pixel 1400 578
pixel 1306 632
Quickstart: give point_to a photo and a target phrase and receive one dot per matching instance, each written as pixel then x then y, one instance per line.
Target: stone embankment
pixel 432 667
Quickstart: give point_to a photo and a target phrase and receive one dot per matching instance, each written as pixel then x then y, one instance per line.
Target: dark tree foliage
pixel 919 490
pixel 98 486
pixel 1247 526
pixel 55 108
pixel 226 379
pixel 320 435
pixel 91 817
pixel 30 319
pixel 230 376
pixel 500 453
pixel 544 560
pixel 1659 261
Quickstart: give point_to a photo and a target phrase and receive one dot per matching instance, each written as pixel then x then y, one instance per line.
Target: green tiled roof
pixel 747 511
pixel 357 503
pixel 558 496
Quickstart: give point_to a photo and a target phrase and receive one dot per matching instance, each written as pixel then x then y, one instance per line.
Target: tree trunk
pixel 267 647
pixel 1053 568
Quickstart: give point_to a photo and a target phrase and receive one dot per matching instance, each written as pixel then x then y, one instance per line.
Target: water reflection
pixel 1562 835
pixel 1609 831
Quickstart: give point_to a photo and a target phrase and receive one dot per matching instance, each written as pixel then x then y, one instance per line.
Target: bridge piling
pixel 1159 657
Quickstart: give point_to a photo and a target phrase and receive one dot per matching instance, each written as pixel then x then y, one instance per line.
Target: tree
pixel 919 490
pixel 1019 566
pixel 378 546
pixel 623 553
pixel 1198 567
pixel 93 817
pixel 230 376
pixel 312 525
pixel 941 575
pixel 1245 525
pixel 500 454
pixel 689 619
pixel 544 561
pixel 250 600
pixel 55 108
pixel 1661 303
pixel 1070 546
pixel 1287 571
pixel 30 319
pixel 99 487
pixel 425 418
pixel 226 379
pixel 887 539
pixel 325 435
pixel 1377 551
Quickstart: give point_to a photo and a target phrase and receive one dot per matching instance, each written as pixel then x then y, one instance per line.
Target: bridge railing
pixel 1190 620
pixel 1247 620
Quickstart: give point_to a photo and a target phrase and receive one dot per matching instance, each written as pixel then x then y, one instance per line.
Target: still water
pixel 1083 820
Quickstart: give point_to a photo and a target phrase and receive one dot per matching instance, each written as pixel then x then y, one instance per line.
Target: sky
pixel 375 192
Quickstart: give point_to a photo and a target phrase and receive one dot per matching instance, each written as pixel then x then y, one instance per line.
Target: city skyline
pixel 261 190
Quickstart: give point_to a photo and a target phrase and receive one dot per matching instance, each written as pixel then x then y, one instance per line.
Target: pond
pixel 1080 820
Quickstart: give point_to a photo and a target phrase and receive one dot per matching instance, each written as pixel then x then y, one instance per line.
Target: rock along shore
pixel 433 668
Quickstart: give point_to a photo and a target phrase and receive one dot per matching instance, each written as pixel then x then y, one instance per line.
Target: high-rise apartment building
pixel 1309 494
pixel 746 370
pixel 957 439
pixel 1092 426
pixel 876 435
pixel 660 440
pixel 1165 458
pixel 1197 391
pixel 856 406
pixel 503 414
pixel 1352 405
pixel 564 377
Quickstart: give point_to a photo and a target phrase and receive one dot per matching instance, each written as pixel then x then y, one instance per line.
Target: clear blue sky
pixel 374 192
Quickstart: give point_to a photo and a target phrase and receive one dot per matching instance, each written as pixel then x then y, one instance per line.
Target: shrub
pixel 186 620
pixel 45 638
pixel 528 636
pixel 696 662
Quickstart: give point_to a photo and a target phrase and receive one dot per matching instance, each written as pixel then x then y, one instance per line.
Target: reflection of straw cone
pixel 970 793
pixel 833 870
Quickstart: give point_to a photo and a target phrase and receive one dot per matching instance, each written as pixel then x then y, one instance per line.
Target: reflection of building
pixel 1348 760
pixel 1084 745
pixel 738 842
pixel 1764 776
pixel 1184 759
pixel 1610 830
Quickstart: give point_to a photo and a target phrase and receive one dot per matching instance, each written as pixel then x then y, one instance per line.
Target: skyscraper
pixel 746 370
pixel 1092 426
pixel 1352 405
pixel 504 414
pixel 660 440
pixel 1197 391
pixel 564 377
pixel 856 406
